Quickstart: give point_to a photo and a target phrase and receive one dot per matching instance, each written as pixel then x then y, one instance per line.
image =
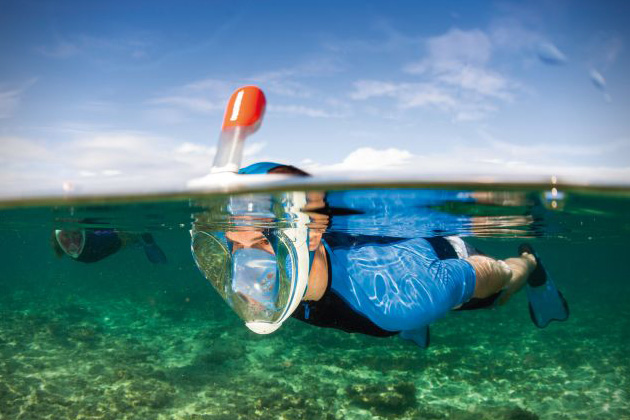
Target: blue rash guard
pixel 398 284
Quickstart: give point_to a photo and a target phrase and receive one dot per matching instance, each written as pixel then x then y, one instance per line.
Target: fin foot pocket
pixel 538 277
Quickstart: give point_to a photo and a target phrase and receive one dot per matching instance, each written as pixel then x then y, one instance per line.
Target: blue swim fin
pixel 153 252
pixel 420 336
pixel 546 303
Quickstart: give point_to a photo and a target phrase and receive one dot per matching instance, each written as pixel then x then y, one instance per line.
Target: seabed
pixel 79 358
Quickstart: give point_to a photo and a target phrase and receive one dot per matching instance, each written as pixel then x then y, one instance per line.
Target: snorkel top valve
pixel 243 116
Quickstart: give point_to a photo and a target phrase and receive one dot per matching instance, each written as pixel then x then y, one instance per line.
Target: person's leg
pixel 493 275
pixel 521 268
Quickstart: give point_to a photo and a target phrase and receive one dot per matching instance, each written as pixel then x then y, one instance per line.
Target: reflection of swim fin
pixel 153 252
pixel 546 303
pixel 420 336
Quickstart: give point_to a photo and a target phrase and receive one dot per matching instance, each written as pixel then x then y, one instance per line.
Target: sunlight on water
pixel 131 327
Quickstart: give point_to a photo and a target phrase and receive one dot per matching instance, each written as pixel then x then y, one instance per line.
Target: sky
pixel 133 93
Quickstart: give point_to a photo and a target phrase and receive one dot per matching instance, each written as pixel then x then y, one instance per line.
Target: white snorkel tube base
pixel 243 116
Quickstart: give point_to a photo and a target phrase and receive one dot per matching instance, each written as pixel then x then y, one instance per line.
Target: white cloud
pixel 408 95
pixel 195 100
pixel 126 161
pixel 282 82
pixel 253 149
pixel 365 159
pixel 368 158
pixel 365 89
pixel 211 95
pixel 425 95
pixel 455 78
pixel 14 149
pixel 195 149
pixel 482 81
pixel 546 153
pixel 96 161
pixel 459 59
pixel 10 98
pixel 457 47
pixel 487 163
pixel 105 172
pixel 202 97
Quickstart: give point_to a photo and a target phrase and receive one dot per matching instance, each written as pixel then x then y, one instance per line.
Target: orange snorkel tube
pixel 243 116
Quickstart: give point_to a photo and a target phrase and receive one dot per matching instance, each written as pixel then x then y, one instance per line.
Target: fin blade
pixel 153 252
pixel 421 336
pixel 546 304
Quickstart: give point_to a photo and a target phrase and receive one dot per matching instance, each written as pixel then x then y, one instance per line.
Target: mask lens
pixel 71 241
pixel 254 278
pixel 211 255
pixel 254 275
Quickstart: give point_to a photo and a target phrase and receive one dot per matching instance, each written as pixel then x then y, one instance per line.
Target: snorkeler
pixel 375 285
pixel 90 245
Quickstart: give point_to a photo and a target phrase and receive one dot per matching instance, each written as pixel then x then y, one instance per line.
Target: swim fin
pixel 546 303
pixel 153 252
pixel 420 336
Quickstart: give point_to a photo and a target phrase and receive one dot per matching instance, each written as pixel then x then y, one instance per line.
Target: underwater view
pixel 130 328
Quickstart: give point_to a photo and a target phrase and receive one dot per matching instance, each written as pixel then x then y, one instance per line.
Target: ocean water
pixel 127 337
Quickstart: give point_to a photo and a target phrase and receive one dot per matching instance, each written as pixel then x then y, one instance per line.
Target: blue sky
pixel 132 93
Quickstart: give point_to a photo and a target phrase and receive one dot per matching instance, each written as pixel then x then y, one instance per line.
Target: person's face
pixel 252 239
pixel 249 239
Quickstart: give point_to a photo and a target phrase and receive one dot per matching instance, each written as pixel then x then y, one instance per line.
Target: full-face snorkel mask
pixel 71 241
pixel 261 273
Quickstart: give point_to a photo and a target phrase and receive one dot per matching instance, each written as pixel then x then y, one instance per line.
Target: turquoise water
pixel 127 338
